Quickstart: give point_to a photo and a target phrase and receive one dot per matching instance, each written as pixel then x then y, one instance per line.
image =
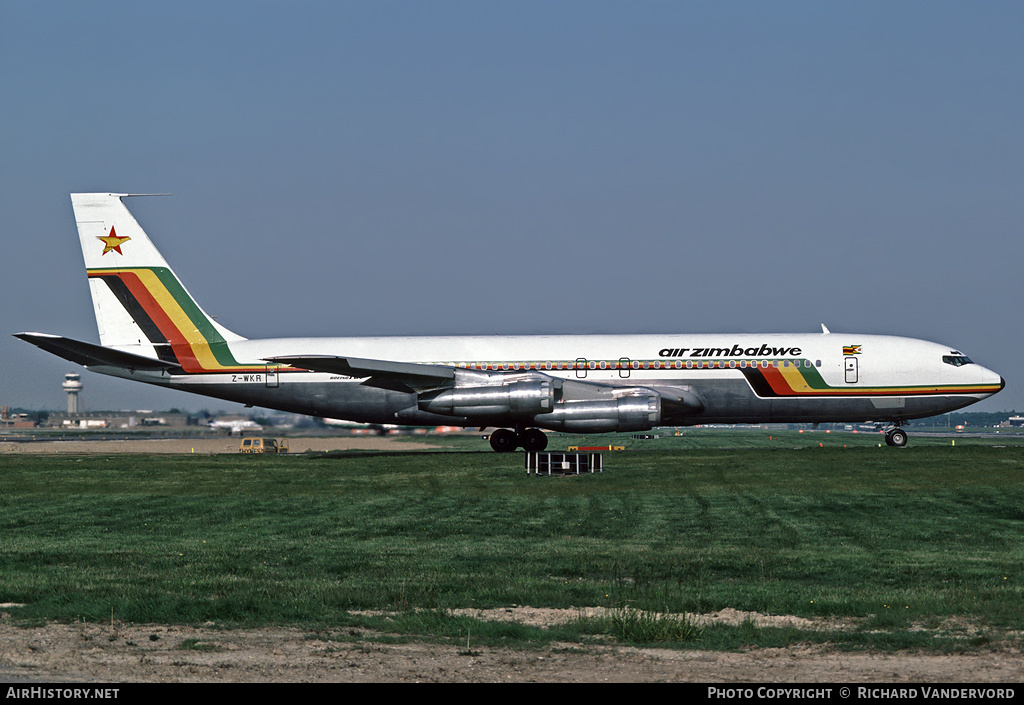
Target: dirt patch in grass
pixel 544 617
pixel 148 653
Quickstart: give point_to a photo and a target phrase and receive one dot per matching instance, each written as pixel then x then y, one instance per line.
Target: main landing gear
pixel 896 437
pixel 505 440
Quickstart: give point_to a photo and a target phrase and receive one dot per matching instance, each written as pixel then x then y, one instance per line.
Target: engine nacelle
pixel 520 399
pixel 635 412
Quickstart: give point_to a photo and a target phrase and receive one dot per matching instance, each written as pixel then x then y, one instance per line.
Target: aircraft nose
pixel 989 380
pixel 994 378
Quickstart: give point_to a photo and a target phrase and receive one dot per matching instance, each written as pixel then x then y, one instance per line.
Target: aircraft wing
pixel 89 355
pixel 382 372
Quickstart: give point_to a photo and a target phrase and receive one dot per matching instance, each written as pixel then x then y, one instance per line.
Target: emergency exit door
pixel 851 370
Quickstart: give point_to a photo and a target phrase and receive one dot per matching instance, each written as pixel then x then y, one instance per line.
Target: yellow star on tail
pixel 113 242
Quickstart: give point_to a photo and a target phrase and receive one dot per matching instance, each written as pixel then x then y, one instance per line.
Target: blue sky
pixel 377 168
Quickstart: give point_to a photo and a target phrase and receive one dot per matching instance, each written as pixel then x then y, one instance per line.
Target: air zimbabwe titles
pixel 734 351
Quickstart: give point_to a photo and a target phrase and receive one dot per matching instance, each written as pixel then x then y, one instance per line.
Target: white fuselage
pixel 741 378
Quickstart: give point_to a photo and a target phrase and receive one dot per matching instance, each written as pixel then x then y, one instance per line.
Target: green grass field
pixel 902 542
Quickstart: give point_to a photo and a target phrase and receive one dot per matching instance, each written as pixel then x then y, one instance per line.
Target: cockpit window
pixel 957 360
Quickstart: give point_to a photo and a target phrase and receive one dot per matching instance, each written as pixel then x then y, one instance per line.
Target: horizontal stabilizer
pixel 89 355
pixel 408 373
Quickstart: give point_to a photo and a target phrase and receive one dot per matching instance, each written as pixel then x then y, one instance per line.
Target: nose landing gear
pixel 896 437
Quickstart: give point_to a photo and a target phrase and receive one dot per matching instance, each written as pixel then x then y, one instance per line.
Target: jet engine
pixel 634 412
pixel 517 399
pixel 538 400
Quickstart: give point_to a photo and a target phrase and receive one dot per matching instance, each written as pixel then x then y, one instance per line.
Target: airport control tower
pixel 72 385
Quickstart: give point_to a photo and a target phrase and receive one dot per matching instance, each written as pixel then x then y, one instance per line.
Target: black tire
pixel 896 437
pixel 504 441
pixel 533 440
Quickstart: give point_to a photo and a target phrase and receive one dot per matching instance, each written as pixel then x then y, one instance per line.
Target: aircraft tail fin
pixel 140 304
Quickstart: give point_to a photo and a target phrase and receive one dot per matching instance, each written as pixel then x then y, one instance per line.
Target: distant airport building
pixel 114 420
pixel 8 420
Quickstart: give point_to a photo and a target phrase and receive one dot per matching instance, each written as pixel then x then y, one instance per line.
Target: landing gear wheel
pixel 896 437
pixel 504 441
pixel 533 440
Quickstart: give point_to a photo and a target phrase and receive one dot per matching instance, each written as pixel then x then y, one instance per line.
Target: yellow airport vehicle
pixel 263 445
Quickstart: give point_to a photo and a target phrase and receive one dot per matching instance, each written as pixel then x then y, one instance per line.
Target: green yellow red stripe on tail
pixel 170 319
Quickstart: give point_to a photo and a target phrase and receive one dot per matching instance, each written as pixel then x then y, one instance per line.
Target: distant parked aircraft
pixel 236 426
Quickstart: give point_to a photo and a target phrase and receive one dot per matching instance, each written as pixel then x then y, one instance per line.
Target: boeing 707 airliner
pixel 152 330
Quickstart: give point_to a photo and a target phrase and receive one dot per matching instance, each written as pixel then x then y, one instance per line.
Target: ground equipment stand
pixel 543 463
